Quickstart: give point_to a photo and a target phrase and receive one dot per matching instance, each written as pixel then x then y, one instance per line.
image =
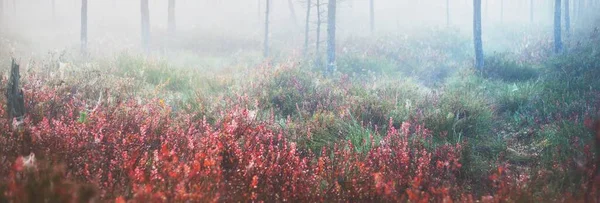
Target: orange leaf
pixel 120 199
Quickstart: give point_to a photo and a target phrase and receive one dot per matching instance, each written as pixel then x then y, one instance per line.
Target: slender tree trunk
pixel 171 16
pixel 477 34
pixel 557 27
pixel 318 41
pixel 145 11
pixel 447 12
pixel 292 12
pixel 266 45
pixel 15 105
pixel 84 17
pixel 372 15
pixel 567 19
pixel 306 26
pixel 331 13
pixel 531 11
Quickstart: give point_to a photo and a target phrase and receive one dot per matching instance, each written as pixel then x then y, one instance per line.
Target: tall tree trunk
pixel 331 10
pixel 292 12
pixel 477 34
pixel 15 105
pixel 557 27
pixel 171 16
pixel 145 11
pixel 306 26
pixel 447 12
pixel 567 19
pixel 372 15
pixel 318 41
pixel 84 17
pixel 531 11
pixel 266 41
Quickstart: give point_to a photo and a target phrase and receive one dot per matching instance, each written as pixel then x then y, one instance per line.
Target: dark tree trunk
pixel 306 26
pixel 331 10
pixel 567 19
pixel 15 102
pixel 477 34
pixel 171 16
pixel 372 15
pixel 145 11
pixel 557 27
pixel 266 41
pixel 84 17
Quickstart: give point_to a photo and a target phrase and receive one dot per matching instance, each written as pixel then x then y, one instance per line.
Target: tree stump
pixel 15 103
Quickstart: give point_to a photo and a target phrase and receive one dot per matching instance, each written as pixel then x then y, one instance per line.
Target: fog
pixel 257 101
pixel 237 25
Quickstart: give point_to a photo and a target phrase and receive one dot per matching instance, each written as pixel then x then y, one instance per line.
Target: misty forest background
pixel 299 100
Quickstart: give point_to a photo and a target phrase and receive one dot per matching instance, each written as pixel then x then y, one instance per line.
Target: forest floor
pixel 404 118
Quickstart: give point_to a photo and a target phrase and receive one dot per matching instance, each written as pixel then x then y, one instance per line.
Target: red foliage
pixel 146 153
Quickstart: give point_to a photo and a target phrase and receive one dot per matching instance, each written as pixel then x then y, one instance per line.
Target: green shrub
pixel 501 67
pixel 514 97
pixel 561 148
pixel 292 91
pixel 460 109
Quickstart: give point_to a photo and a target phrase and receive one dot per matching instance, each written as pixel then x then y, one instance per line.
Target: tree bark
pixel 306 26
pixel 266 41
pixel 84 17
pixel 557 27
pixel 331 13
pixel 15 102
pixel 479 63
pixel 145 11
pixel 171 17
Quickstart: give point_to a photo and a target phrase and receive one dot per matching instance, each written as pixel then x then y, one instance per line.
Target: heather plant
pixel 144 154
